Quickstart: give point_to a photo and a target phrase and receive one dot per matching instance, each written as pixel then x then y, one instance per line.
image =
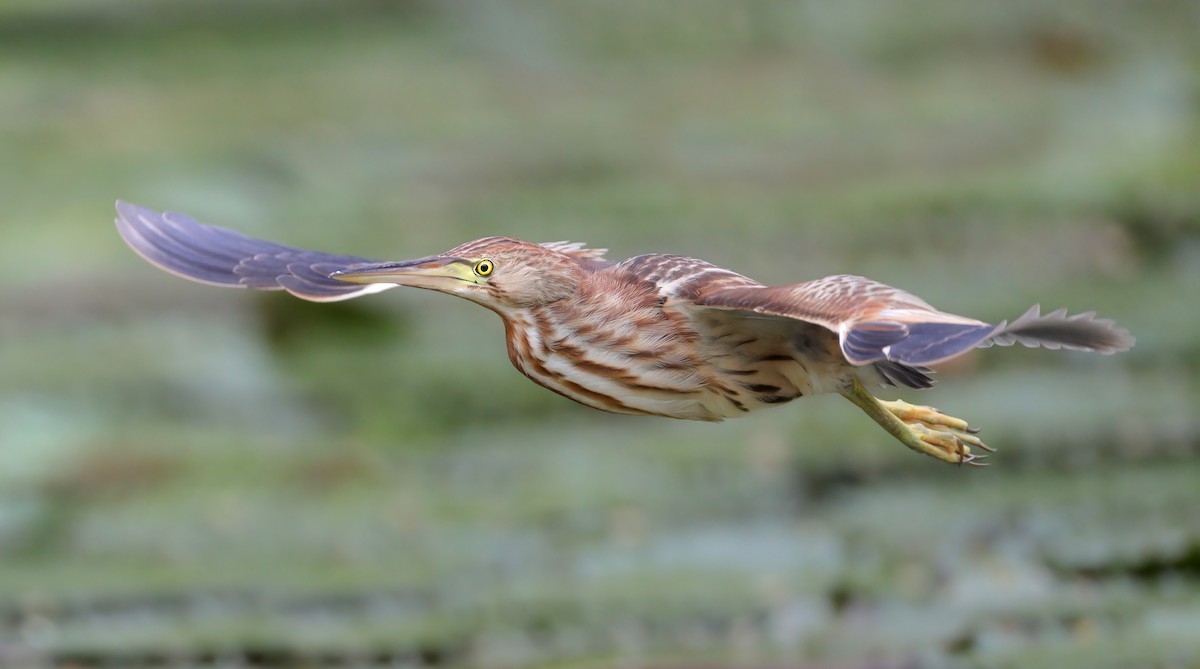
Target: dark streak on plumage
pixel 775 399
pixel 662 362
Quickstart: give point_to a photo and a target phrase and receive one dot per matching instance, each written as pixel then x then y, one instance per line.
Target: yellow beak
pixel 437 272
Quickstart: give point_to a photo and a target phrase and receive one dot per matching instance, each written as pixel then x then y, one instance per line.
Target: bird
pixel 656 334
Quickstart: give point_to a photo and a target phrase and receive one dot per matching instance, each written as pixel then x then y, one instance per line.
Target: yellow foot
pixel 923 429
pixel 951 438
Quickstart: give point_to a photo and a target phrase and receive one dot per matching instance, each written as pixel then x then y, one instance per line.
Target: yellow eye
pixel 484 267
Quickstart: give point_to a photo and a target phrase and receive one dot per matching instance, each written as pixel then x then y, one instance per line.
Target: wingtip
pixel 1059 329
pixel 1124 340
pixel 126 220
pixel 128 213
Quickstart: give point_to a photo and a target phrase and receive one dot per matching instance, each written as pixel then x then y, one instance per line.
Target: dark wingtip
pixel 1058 329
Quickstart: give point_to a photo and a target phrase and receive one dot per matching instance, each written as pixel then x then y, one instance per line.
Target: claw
pixel 923 429
pixel 974 430
pixel 948 433
pixel 973 460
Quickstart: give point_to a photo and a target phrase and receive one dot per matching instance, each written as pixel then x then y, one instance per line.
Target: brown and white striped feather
pixel 588 258
pixel 752 360
pixel 666 356
pixel 643 363
pixel 868 317
pixel 833 301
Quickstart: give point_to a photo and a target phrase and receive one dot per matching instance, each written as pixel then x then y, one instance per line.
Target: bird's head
pixel 498 272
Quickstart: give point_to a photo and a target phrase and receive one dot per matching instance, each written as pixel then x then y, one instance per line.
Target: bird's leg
pixel 922 429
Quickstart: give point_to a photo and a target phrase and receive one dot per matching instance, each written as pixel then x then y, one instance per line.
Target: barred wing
pixel 681 277
pixel 221 257
pixel 878 324
pixel 588 258
pixel 875 323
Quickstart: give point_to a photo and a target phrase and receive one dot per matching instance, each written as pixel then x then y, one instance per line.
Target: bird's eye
pixel 484 267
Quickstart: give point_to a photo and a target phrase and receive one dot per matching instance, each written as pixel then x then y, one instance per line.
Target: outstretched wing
pixel 875 323
pixel 220 257
pixel 881 325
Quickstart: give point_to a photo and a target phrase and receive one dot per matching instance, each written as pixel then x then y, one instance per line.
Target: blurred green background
pixel 191 475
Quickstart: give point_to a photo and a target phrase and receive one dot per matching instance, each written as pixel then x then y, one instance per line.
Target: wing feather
pixel 590 259
pixel 221 257
pixel 832 302
pixel 875 322
pixel 681 277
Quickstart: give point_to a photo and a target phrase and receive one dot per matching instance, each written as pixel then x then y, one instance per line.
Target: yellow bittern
pixel 654 335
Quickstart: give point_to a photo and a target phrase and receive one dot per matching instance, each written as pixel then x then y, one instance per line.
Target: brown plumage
pixel 658 335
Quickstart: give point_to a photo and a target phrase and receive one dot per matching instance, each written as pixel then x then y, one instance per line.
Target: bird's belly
pixel 633 389
pixel 621 366
pixel 706 392
pixel 723 370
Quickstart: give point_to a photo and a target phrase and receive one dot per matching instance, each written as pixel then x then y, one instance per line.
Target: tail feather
pixel 1055 330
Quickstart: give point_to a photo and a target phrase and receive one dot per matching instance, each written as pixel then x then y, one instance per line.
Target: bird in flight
pixel 657 334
